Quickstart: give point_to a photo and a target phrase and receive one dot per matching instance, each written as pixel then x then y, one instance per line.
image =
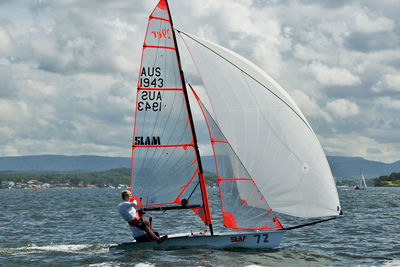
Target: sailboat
pixel 363 184
pixel 268 159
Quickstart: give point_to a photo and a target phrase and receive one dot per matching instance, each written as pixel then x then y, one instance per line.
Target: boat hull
pixel 257 240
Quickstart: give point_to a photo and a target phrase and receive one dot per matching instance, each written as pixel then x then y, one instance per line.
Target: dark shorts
pixel 141 225
pixel 145 238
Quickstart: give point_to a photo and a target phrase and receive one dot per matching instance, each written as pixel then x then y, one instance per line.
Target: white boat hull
pixel 256 240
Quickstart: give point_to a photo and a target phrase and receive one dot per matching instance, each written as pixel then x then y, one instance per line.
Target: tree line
pixel 113 177
pixel 388 180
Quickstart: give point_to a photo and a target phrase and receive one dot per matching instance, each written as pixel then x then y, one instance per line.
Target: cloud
pixel 342 108
pixel 388 102
pixel 333 76
pixel 388 82
pixel 367 21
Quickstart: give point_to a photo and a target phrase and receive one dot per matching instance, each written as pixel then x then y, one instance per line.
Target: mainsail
pixel 267 131
pixel 166 170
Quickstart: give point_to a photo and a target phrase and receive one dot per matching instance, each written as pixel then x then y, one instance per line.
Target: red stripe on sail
pixel 185 186
pixel 158 47
pixel 183 146
pixel 151 17
pixel 219 141
pixel 236 179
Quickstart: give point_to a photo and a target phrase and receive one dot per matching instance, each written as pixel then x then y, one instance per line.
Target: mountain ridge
pixel 341 166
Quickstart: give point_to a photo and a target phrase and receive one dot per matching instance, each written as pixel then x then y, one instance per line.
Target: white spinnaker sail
pixel 267 131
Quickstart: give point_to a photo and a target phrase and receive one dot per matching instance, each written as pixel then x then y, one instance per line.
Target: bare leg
pixel 151 234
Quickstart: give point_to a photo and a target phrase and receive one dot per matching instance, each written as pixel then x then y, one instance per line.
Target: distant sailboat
pixel 363 184
pixel 267 156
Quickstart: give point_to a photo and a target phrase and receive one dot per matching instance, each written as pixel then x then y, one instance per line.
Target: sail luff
pixel 201 173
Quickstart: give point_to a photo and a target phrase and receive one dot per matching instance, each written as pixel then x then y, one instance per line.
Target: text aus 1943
pixel 150 77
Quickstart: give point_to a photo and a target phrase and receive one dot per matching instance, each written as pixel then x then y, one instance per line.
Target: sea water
pixel 75 227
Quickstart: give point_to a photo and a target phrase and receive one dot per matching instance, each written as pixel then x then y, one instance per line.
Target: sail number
pixel 150 77
pixel 164 33
pixel 149 101
pixel 263 239
pixel 147 82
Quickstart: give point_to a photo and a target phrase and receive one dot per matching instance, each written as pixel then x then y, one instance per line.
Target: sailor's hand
pixel 134 202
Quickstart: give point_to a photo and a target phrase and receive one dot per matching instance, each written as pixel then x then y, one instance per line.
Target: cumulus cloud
pixel 388 82
pixel 366 21
pixel 333 76
pixel 388 102
pixel 342 108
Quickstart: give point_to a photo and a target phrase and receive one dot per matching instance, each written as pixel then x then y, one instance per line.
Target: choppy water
pixel 61 227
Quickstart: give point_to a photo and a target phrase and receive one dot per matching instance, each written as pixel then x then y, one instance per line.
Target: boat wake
pixel 62 248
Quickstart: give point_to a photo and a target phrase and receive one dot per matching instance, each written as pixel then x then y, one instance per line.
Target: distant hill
pixel 341 166
pixel 350 167
pixel 62 163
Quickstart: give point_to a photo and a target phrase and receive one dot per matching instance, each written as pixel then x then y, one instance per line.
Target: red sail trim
pixel 200 212
pixel 219 141
pixel 277 222
pixel 158 47
pixel 186 185
pixel 130 189
pixel 264 227
pixel 183 146
pixel 235 179
pixel 134 127
pixel 152 17
pixel 161 5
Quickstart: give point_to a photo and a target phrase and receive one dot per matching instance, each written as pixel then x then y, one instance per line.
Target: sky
pixel 69 68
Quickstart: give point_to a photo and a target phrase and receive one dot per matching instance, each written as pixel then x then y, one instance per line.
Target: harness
pixel 135 220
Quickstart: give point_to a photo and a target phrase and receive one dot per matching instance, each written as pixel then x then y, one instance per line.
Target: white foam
pixel 58 248
pixel 395 263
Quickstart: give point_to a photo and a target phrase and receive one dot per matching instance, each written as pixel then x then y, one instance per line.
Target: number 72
pixel 259 238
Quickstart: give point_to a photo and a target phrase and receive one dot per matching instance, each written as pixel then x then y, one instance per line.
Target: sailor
pixel 140 227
